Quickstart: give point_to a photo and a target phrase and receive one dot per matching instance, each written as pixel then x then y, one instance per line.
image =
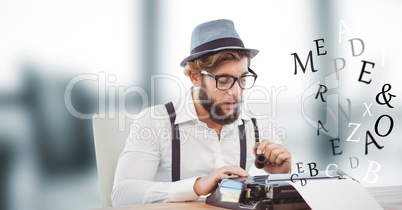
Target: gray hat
pixel 214 36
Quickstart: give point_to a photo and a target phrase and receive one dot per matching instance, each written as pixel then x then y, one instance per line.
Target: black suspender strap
pixel 175 142
pixel 243 142
pixel 243 146
pixel 256 133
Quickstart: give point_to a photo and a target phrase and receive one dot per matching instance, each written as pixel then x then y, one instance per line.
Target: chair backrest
pixel 109 142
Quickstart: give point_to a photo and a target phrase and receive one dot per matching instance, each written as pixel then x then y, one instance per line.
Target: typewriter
pixel 265 192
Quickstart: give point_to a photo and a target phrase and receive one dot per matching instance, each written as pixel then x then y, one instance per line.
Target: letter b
pixel 312 169
pixel 369 170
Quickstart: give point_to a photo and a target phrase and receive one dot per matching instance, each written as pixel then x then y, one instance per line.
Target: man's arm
pixel 205 185
pixel 137 168
pixel 135 191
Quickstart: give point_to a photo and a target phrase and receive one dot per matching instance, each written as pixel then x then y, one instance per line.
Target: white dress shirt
pixel 143 173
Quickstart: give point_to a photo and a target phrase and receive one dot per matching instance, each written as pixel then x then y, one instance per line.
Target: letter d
pixel 353 46
pixel 351 162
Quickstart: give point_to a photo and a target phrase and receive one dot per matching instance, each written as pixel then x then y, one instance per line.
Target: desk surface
pixel 390 198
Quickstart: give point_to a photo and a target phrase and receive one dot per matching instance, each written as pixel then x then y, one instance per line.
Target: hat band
pixel 218 43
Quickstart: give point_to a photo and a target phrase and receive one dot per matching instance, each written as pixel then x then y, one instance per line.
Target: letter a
pixel 342 23
pixel 322 126
pixel 368 134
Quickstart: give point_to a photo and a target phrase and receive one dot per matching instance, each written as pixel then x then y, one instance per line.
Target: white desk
pixel 390 198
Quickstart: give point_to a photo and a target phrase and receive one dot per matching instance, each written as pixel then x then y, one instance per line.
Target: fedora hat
pixel 213 36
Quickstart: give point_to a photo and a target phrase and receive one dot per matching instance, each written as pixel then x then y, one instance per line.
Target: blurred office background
pixel 47 154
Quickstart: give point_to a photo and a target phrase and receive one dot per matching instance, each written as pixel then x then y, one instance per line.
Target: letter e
pixel 362 72
pixel 335 146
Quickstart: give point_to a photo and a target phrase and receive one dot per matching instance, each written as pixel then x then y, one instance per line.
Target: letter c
pixel 291 178
pixel 67 95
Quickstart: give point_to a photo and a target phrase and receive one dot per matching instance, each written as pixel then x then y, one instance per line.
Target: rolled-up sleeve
pixel 137 170
pixel 130 192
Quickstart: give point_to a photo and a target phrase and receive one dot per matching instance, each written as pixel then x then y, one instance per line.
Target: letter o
pixel 390 127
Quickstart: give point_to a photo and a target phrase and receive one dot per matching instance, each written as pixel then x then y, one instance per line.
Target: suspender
pixel 176 142
pixel 243 142
pixel 256 133
pixel 243 146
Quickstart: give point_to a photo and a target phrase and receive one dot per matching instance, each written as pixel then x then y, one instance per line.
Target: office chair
pixel 109 143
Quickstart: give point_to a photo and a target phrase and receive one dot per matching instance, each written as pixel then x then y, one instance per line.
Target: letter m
pixel 297 60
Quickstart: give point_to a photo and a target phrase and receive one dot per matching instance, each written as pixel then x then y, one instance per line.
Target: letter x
pixel 367 109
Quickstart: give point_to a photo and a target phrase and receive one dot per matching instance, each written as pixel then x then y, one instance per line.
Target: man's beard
pixel 215 112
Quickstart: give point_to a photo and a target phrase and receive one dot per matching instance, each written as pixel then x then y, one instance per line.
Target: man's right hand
pixel 207 184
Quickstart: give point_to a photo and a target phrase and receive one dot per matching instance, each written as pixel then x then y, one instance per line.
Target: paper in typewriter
pixel 328 194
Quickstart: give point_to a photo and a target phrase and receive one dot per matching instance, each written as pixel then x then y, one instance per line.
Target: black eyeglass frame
pixel 253 74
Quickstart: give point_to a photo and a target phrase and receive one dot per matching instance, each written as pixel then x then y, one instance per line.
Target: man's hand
pixel 207 184
pixel 279 159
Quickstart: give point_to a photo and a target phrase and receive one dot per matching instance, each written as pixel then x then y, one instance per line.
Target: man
pixel 206 138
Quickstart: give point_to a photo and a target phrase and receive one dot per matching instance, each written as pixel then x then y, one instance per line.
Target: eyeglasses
pixel 226 82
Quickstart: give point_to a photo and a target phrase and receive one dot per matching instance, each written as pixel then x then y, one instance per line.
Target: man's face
pixel 223 106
